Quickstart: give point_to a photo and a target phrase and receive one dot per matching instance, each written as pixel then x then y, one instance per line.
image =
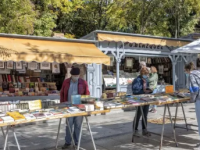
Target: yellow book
pixel 16 116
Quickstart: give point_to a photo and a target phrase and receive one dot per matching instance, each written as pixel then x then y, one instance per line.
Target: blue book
pixel 76 99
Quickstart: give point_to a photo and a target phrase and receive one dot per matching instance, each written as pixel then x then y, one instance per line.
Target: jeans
pixel 197 108
pixel 145 111
pixel 76 121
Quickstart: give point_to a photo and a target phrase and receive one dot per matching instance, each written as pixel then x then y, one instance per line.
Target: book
pixel 48 115
pixel 13 78
pixel 2 114
pixel 29 116
pixel 9 78
pixel 1 78
pixel 56 112
pixel 27 79
pixel 73 110
pixel 81 107
pixel 16 116
pixel 39 115
pixel 1 120
pixel 7 119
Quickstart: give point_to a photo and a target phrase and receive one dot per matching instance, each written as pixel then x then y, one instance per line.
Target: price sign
pixel 33 105
pixel 169 89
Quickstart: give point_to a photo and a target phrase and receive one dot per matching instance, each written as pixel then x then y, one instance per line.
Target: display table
pixel 166 104
pixel 11 126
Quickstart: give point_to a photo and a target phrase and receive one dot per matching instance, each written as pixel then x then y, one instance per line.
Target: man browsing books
pixel 73 86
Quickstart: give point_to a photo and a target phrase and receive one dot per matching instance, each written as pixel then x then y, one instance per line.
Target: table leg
pixel 6 139
pixel 184 116
pixel 172 125
pixel 90 132
pixel 134 123
pixel 80 134
pixel 176 115
pixel 143 118
pixel 13 128
pixel 58 133
pixel 3 132
pixel 163 128
pixel 70 131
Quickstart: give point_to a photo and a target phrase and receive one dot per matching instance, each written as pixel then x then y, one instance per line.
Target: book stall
pixel 34 68
pixel 129 70
pixel 35 113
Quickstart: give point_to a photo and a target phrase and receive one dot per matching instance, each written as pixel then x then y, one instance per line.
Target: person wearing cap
pixel 73 86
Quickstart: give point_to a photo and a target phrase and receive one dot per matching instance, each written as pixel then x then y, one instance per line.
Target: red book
pixel 19 79
pixel 9 78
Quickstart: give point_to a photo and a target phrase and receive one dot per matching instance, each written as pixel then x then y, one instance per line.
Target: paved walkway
pixel 111 132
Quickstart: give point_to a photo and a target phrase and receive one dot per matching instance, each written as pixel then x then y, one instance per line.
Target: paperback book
pixel 16 116
pixel 29 116
pixel 7 119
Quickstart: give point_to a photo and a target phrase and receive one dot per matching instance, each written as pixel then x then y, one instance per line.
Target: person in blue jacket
pixel 140 85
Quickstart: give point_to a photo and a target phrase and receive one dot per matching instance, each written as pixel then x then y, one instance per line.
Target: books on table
pixel 7 119
pixel 73 110
pixel 48 115
pixel 56 112
pixel 16 116
pixel 29 117
pixel 39 115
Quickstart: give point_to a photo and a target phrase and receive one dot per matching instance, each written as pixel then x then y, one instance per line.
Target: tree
pixel 17 16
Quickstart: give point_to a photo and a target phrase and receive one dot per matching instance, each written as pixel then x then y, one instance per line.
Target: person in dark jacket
pixel 141 86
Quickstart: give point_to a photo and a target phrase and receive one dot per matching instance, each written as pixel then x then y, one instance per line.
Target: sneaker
pixel 150 110
pixel 145 133
pixel 136 133
pixel 154 110
pixel 197 147
pixel 66 146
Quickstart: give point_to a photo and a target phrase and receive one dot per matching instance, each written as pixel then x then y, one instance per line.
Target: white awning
pixel 193 47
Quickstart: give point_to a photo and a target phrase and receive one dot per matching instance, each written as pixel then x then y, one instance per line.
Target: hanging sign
pixel 34 105
pixel 55 67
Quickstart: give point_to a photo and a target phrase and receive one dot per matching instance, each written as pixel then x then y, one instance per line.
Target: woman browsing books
pixel 153 80
pixel 140 85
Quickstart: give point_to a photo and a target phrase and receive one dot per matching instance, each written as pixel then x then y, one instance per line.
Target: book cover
pixel 16 116
pixel 39 115
pixel 6 77
pixel 1 120
pixel 2 114
pixel 28 79
pixel 32 85
pixel 13 78
pixel 9 78
pixel 81 107
pixel 29 116
pixel 7 119
pixel 1 78
pixel 48 115
pixel 73 110
pixel 56 112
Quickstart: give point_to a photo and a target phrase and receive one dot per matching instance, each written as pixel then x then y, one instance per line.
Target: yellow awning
pixel 19 49
pixel 143 40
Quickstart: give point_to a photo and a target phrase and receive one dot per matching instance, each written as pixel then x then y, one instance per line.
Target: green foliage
pixel 17 16
pixel 76 18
